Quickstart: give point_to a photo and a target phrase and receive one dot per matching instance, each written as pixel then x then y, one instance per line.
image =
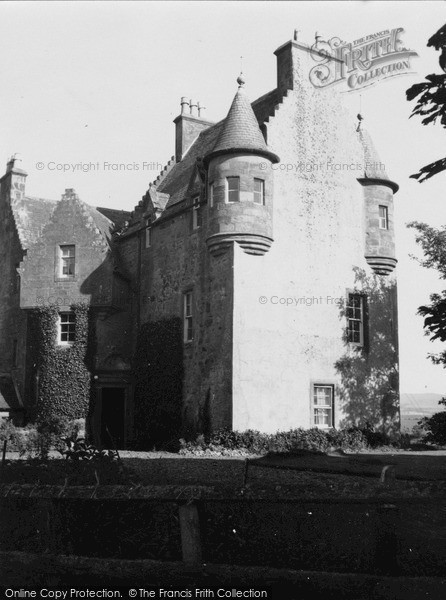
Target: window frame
pixel 62 258
pixel 229 190
pixel 188 317
pixel 148 235
pixel 351 319
pixel 261 192
pixel 384 219
pixel 323 407
pixel 197 215
pixel 67 342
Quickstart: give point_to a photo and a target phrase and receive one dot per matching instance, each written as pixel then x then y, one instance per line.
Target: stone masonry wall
pixel 12 320
pixel 289 326
pixel 177 262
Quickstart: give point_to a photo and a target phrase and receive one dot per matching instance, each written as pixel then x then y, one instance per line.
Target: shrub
pixel 254 442
pixel 50 433
pixel 36 441
pixel 78 449
pixel 435 428
pixel 19 439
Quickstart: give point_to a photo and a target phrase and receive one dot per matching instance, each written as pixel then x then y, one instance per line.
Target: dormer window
pixel 67 261
pixel 233 189
pixel 259 191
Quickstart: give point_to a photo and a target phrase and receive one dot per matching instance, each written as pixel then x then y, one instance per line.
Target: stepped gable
pixel 163 174
pixel 265 106
pixel 94 219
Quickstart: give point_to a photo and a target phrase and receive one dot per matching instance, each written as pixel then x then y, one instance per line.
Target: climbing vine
pixel 64 382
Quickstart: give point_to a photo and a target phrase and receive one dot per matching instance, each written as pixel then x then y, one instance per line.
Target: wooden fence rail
pixel 190 501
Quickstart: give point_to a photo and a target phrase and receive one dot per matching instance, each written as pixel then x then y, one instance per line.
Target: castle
pixel 252 287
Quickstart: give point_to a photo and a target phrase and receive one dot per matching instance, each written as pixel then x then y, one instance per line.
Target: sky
pixel 99 84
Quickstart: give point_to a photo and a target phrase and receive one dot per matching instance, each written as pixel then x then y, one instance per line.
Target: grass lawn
pixel 305 475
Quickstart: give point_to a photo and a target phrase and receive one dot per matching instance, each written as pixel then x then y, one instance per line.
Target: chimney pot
pixel 184 105
pixel 200 109
pixel 193 108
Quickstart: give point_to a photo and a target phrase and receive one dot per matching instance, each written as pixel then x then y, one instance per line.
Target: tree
pixel 431 103
pixel 433 244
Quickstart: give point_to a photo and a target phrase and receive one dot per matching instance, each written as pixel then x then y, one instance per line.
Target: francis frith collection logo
pixel 360 63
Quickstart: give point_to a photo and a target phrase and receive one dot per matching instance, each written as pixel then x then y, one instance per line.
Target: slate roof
pixel 117 217
pixel 241 130
pixel 373 167
pixel 177 181
pixel 102 223
pixel 31 215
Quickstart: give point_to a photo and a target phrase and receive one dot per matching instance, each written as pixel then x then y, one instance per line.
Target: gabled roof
pixel 177 181
pixel 241 130
pixel 117 217
pixel 31 215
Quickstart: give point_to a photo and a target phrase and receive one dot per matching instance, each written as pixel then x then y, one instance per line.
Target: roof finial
pixel 241 80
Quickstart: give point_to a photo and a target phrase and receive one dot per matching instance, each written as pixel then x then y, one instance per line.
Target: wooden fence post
pixel 190 533
pixel 386 558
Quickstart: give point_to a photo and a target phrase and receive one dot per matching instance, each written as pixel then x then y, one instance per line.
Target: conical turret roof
pixel 240 131
pixel 374 169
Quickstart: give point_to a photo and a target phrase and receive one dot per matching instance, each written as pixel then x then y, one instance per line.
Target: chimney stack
pixel 12 184
pixel 188 125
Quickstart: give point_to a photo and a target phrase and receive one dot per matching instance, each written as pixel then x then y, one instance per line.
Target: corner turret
pixel 240 182
pixel 378 196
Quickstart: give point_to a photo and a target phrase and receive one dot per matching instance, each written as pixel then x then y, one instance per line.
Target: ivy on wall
pixel 158 372
pixel 64 378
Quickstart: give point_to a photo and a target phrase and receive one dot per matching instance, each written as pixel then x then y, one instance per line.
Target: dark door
pixel 113 417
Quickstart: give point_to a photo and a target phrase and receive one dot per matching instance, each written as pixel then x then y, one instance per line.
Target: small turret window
pixel 211 195
pixel 259 191
pixel 233 187
pixel 188 328
pixel 383 217
pixel 196 214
